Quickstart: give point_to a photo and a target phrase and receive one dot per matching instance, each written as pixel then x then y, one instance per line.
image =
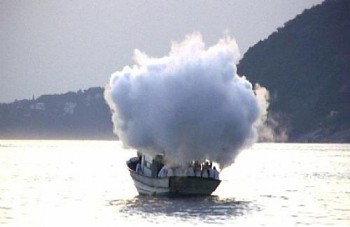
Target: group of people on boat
pixel 157 167
pixel 194 169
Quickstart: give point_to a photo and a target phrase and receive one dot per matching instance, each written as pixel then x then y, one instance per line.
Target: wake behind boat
pixel 151 177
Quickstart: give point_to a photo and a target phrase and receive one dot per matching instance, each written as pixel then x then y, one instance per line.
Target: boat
pixel 144 170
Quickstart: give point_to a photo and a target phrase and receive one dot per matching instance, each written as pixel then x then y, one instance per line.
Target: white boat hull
pixel 150 186
pixel 173 186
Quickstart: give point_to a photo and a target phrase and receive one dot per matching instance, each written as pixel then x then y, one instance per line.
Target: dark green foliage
pixel 306 67
pixel 73 115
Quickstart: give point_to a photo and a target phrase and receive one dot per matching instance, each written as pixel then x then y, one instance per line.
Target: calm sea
pixel 86 183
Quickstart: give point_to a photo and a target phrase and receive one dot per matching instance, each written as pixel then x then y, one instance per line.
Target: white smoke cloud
pixel 269 127
pixel 190 104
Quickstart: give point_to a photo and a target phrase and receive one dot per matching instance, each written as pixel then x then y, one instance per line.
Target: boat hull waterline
pixel 173 185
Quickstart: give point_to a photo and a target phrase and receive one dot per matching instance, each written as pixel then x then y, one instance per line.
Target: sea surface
pixel 86 183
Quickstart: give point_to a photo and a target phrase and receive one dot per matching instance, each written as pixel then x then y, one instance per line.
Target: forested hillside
pixel 73 115
pixel 306 67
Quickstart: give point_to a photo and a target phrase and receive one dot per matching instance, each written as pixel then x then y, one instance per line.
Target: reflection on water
pixel 86 183
pixel 211 209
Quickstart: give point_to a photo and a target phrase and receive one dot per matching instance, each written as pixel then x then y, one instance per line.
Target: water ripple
pixel 206 209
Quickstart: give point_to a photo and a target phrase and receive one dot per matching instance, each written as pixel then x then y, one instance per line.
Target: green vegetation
pixel 306 67
pixel 73 115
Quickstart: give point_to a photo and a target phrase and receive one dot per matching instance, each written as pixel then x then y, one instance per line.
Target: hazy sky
pixel 58 46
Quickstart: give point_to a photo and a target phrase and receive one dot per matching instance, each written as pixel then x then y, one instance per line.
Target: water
pixel 76 183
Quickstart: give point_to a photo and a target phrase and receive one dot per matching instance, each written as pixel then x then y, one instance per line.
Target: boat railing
pixel 132 165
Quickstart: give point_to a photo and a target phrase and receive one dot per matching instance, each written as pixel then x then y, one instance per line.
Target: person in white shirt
pixel 205 172
pixel 211 172
pixel 215 173
pixel 170 172
pixel 190 171
pixel 163 172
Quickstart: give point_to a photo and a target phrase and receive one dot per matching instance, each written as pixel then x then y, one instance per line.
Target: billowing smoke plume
pixel 269 125
pixel 190 104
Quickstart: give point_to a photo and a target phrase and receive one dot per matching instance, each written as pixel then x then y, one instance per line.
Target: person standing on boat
pixel 205 171
pixel 138 167
pixel 197 169
pixel 170 172
pixel 163 172
pixel 211 172
pixel 190 171
pixel 215 173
